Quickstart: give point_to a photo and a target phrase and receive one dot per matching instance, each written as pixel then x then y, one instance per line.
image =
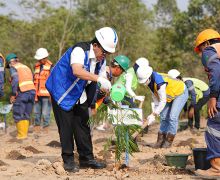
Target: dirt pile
pixel 15 155
pixel 32 149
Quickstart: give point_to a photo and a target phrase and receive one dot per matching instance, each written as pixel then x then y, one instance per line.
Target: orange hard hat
pixel 204 36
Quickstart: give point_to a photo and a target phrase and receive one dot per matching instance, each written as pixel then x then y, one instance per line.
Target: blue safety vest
pixel 156 80
pixel 64 87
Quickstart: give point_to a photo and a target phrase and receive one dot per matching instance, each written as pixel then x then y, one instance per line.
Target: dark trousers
pixel 197 109
pixel 23 105
pixel 73 125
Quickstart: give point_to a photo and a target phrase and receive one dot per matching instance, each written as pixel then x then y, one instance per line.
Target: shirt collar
pixel 91 53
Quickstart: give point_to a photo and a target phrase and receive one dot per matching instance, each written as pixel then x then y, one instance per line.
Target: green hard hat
pixel 10 56
pixel 123 61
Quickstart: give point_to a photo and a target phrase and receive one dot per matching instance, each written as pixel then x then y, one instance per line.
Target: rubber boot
pixel 22 129
pixel 168 141
pixel 212 172
pixel 160 140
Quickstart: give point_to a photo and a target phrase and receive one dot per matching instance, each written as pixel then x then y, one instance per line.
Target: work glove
pixel 139 98
pixel 104 83
pixel 151 119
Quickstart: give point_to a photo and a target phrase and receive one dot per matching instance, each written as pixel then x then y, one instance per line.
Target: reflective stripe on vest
pixel 40 77
pixel 213 132
pixel 174 87
pixel 25 77
pixel 64 87
pixel 68 90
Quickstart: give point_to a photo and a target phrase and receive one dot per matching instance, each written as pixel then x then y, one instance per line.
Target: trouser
pixel 42 109
pixel 212 137
pixel 170 115
pixel 74 122
pixel 23 105
pixel 197 109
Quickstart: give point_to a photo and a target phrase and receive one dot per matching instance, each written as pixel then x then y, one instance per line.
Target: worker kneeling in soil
pixel 23 93
pixel 169 96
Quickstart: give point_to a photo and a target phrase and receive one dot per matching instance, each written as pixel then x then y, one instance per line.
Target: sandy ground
pixel 38 157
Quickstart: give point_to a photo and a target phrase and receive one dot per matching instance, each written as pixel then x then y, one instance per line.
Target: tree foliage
pixel 164 34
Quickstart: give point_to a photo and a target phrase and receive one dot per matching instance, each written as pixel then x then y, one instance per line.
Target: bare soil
pixel 39 157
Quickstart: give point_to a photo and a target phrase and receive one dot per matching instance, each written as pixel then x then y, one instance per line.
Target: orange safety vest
pixel 40 78
pixel 25 77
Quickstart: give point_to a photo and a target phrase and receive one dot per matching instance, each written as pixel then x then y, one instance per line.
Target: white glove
pixel 104 83
pixel 139 98
pixel 151 119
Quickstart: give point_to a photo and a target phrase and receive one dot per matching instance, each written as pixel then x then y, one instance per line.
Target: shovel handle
pixel 135 134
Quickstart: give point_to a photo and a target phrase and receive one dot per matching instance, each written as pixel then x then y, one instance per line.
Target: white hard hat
pixel 108 38
pixel 142 61
pixel 144 73
pixel 41 53
pixel 173 73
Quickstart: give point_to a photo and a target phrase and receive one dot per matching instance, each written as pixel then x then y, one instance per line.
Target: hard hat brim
pixel 39 58
pixel 109 50
pixel 142 81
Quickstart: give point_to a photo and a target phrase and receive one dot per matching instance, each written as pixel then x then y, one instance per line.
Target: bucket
pixel 177 160
pixel 117 92
pixel 199 155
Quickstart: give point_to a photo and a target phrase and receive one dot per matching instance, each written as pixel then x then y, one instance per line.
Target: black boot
pixel 91 163
pixel 169 140
pixel 71 167
pixel 160 140
pixel 68 163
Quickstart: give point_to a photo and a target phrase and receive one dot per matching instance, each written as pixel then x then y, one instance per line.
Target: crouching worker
pixel 66 84
pixel 169 96
pixel 23 93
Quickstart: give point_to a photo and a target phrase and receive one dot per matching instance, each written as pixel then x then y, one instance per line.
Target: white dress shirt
pixel 77 57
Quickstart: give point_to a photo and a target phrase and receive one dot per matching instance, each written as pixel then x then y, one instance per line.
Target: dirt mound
pixel 54 144
pixel 2 163
pixel 189 142
pixel 32 149
pixel 105 154
pixel 100 140
pixel 15 155
pixel 46 167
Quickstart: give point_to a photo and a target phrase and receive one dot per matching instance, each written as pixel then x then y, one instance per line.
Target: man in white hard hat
pixel 79 65
pixel 42 106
